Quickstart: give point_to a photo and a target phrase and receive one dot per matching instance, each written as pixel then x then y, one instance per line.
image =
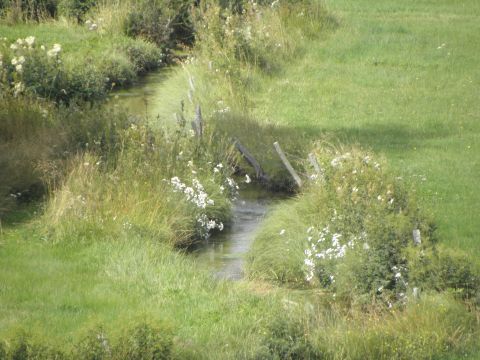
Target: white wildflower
pixel 282 232
pixel 30 40
pixel 247 179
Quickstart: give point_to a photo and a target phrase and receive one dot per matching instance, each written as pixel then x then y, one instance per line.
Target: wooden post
pixel 287 164
pixel 259 173
pixel 314 162
pixel 199 120
pixel 191 83
pixel 417 239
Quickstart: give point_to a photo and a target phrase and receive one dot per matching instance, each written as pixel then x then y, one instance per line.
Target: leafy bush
pixel 143 55
pixel 434 327
pixel 94 345
pixel 75 8
pixel 119 69
pixel 144 341
pixel 28 9
pixel 26 347
pixel 286 339
pixel 28 67
pixel 165 23
pixel 29 139
pixel 445 269
pixel 349 231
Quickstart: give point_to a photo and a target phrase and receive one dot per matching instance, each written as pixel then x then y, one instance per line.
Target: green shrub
pixel 181 190
pixel 29 141
pixel 30 68
pixel 349 231
pixel 163 22
pixel 445 269
pixel 25 347
pixel 118 69
pixel 286 339
pixel 143 55
pixel 28 9
pixel 144 341
pixel 36 140
pixel 435 327
pixel 3 350
pixel 75 8
pixel 93 345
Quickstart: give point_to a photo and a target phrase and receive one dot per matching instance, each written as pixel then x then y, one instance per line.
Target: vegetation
pixel 99 268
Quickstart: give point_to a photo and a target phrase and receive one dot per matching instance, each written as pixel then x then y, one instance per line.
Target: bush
pixel 25 347
pixel 36 140
pixel 30 68
pixel 29 140
pixel 165 23
pixel 446 270
pixel 286 339
pixel 75 8
pixel 434 327
pixel 144 341
pixel 349 231
pixel 28 9
pixel 143 55
pixel 118 68
pixel 94 345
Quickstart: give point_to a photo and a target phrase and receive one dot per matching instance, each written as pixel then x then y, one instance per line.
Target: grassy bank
pixel 399 79
pixel 100 263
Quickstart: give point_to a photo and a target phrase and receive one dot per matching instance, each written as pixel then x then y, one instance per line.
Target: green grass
pixel 59 290
pixel 380 80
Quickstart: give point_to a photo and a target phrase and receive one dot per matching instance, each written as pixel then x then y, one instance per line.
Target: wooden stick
pixel 314 162
pixel 417 239
pixel 195 129
pixel 259 173
pixel 199 121
pixel 287 164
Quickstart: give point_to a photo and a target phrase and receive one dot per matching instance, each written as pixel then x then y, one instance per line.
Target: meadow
pixel 100 206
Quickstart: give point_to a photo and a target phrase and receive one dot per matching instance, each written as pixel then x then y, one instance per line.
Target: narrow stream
pixel 223 253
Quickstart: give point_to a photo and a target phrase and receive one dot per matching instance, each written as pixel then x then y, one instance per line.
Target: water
pixel 146 95
pixel 224 253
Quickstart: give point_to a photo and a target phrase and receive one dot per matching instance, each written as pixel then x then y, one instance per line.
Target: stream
pixel 224 252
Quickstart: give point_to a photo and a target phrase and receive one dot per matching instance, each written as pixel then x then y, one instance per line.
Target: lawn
pixel 401 79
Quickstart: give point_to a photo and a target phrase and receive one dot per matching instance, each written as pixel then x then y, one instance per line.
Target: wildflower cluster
pixel 24 64
pixel 370 231
pixel 196 195
pixel 93 25
pixel 325 245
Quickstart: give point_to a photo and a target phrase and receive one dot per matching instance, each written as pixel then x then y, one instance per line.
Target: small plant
pixel 94 345
pixel 286 339
pixel 144 341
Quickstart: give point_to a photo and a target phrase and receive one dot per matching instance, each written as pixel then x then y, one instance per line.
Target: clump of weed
pixel 26 346
pixel 285 338
pixel 443 269
pixel 93 345
pixel 144 340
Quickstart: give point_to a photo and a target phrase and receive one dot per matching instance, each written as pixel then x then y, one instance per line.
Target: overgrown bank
pixel 134 193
